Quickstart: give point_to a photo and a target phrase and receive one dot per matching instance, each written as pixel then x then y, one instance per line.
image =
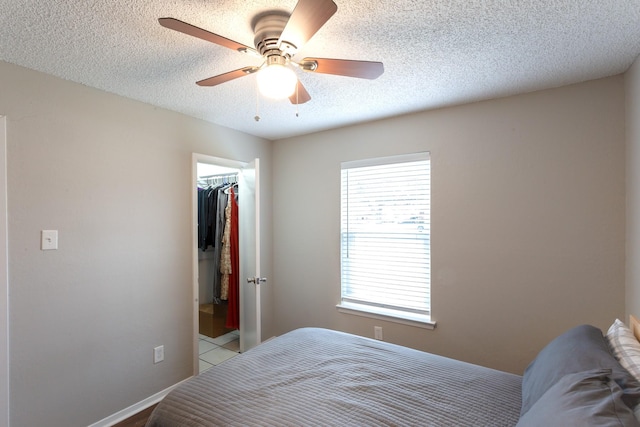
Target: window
pixel 385 237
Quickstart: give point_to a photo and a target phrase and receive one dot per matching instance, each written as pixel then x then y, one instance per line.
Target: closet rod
pixel 219 175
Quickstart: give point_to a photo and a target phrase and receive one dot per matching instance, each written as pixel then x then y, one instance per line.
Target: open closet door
pixel 249 236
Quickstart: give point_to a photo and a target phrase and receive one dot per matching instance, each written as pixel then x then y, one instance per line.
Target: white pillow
pixel 625 347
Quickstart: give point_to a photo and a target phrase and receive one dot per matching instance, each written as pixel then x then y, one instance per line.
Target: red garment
pixel 233 313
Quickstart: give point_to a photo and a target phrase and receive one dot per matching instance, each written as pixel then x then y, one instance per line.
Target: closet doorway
pixel 217 301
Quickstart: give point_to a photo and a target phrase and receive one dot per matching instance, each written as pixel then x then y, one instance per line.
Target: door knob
pixel 256 280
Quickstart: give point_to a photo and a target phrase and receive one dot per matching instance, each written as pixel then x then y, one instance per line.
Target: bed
pixel 319 377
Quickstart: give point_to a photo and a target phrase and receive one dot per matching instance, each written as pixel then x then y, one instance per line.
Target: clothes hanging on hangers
pixel 212 220
pixel 207 203
pixel 225 258
pixel 218 230
pixel 209 189
pixel 233 312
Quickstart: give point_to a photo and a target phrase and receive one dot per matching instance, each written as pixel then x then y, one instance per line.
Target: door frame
pixel 217 161
pixel 4 279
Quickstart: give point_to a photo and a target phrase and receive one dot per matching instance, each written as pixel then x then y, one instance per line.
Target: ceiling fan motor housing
pixel 267 29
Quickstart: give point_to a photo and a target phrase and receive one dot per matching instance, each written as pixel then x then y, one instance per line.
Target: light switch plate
pixel 49 240
pixel 158 354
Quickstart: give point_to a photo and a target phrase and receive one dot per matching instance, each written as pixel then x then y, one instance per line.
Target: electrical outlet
pixel 377 332
pixel 158 354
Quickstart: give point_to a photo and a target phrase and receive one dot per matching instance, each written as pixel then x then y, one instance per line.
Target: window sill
pixel 419 321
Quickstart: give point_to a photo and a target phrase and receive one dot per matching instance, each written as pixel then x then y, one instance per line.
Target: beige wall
pixel 632 90
pixel 114 177
pixel 528 210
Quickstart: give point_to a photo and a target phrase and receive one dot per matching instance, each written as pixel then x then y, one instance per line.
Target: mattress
pixel 318 377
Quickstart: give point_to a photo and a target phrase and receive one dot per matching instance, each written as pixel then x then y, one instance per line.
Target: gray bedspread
pixel 318 377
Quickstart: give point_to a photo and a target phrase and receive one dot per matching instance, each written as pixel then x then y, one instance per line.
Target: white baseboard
pixel 134 409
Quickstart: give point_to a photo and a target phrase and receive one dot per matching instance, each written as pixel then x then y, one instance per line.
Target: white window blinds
pixel 385 233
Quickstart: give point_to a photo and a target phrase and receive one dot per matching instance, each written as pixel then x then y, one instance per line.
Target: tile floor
pixel 214 351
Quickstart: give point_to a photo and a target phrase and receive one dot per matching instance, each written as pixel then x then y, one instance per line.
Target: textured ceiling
pixel 435 53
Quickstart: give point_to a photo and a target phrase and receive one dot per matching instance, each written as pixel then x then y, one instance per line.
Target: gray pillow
pixel 582 348
pixel 588 398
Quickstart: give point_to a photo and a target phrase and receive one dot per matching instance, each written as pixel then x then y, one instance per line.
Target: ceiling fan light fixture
pixel 277 81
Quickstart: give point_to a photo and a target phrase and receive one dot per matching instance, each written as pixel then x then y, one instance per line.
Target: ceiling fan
pixel 278 37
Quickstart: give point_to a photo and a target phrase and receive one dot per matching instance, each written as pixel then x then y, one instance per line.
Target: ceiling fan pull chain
pixel 297 101
pixel 257 116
